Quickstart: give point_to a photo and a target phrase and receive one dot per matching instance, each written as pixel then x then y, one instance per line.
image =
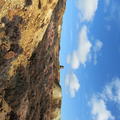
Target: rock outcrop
pixel 29 59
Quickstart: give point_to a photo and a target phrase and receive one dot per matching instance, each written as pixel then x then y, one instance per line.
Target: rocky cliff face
pixel 29 59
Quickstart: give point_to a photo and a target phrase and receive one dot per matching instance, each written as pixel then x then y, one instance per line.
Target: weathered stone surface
pixel 29 59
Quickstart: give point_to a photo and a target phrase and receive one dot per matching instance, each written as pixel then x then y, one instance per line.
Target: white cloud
pixel 73 60
pixel 112 8
pixel 87 9
pixel 72 82
pixel 98 46
pixel 99 110
pixel 84 45
pixel 81 54
pixel 98 103
pixel 112 91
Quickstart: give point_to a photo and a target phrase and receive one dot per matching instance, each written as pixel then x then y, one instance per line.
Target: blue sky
pixel 90 53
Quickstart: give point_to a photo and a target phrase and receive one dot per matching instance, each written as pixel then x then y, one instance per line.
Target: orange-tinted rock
pixel 10 55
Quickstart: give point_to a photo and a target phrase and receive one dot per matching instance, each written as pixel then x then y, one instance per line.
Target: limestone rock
pixel 29 59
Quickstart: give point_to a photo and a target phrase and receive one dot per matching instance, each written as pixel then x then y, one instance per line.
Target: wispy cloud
pixel 87 9
pixel 97 47
pixel 80 55
pixel 112 91
pixel 99 110
pixel 112 8
pixel 98 102
pixel 72 82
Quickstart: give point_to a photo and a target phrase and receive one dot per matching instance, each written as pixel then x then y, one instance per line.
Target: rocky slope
pixel 29 59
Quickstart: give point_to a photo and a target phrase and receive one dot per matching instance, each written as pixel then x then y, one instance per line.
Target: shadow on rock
pixel 9 38
pixel 16 90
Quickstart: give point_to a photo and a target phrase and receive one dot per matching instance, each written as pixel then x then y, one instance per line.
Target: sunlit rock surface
pixel 29 59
